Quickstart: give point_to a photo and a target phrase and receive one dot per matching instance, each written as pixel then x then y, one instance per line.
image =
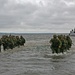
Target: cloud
pixel 37 15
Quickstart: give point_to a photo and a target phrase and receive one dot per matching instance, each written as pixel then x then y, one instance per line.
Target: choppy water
pixel 36 59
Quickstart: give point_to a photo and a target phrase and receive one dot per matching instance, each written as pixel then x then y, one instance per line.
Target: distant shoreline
pixel 32 33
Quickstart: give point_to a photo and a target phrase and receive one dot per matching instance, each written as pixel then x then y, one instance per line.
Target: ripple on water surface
pixel 34 60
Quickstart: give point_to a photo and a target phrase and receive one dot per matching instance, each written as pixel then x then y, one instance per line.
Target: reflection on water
pixel 36 59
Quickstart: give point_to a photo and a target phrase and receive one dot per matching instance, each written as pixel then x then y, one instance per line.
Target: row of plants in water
pixel 60 43
pixel 11 41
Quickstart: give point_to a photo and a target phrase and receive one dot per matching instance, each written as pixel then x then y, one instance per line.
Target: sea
pixel 36 58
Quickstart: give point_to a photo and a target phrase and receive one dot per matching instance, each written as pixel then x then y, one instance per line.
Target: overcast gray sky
pixel 37 16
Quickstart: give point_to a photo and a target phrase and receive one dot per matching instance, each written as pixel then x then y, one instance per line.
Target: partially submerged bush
pixel 60 43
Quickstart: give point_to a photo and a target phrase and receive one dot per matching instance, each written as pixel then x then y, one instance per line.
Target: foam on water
pixel 35 58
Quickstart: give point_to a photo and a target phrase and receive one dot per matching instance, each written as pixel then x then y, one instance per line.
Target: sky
pixel 37 16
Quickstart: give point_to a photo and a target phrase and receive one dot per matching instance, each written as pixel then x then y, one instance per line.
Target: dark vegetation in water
pixel 60 43
pixel 11 41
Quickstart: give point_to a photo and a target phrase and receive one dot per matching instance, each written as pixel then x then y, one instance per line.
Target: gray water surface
pixel 33 59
